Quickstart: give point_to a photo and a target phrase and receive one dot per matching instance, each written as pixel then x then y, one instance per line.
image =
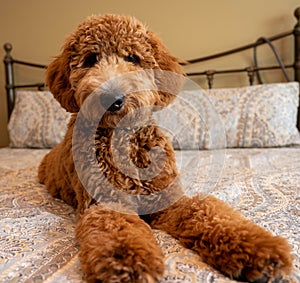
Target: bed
pixel 252 162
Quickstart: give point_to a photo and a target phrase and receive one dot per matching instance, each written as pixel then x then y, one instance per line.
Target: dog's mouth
pixel 133 118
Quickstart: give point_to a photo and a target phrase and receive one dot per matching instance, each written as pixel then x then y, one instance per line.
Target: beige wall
pixel 190 28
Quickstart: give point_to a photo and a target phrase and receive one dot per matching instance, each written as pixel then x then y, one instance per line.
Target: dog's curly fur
pixel 120 247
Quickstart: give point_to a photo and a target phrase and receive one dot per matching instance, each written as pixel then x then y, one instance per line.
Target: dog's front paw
pixel 124 264
pixel 116 247
pixel 259 259
pixel 269 260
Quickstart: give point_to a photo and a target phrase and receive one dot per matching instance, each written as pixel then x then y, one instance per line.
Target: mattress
pixel 37 231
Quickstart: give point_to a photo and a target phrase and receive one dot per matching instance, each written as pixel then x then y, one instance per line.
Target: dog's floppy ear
pixel 57 79
pixel 166 62
pixel 164 59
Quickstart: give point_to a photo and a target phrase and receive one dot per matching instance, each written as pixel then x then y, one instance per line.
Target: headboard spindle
pixel 9 75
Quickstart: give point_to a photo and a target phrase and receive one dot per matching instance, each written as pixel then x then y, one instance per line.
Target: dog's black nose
pixel 112 102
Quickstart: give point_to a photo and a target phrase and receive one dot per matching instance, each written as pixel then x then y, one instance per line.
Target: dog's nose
pixel 112 102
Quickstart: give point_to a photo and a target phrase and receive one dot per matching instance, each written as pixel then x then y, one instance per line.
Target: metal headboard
pixel 254 70
pixel 10 86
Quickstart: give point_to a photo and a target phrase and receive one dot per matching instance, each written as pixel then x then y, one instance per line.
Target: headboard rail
pixel 252 71
pixel 238 49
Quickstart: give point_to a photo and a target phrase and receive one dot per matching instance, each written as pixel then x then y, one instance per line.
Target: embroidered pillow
pixel 258 116
pixel 37 120
pixel 254 116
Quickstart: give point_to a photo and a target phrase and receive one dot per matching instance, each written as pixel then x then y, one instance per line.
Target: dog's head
pixel 107 47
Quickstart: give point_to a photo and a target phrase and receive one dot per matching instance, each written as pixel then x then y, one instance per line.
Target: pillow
pixel 259 116
pixel 253 116
pixel 37 120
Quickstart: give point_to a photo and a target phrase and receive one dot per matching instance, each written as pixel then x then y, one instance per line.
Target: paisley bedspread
pixel 37 232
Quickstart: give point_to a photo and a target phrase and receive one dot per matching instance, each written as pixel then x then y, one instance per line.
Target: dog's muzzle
pixel 112 102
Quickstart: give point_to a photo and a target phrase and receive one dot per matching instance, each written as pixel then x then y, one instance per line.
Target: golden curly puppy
pixel 117 207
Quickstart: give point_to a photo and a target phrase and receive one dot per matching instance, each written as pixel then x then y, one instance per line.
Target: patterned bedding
pixel 36 231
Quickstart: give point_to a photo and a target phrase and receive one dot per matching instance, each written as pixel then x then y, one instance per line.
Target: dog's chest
pixel 133 160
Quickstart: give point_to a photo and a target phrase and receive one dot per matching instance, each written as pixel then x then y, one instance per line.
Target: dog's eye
pixel 90 60
pixel 134 59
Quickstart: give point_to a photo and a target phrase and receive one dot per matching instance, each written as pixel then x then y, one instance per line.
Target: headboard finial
pixel 7 47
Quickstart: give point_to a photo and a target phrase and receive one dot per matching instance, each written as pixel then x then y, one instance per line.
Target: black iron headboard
pixel 10 86
pixel 252 71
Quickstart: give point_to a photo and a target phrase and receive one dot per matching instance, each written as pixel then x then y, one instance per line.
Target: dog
pixel 114 227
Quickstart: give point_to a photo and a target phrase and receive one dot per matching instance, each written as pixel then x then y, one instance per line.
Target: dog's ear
pixel 172 80
pixel 57 79
pixel 164 59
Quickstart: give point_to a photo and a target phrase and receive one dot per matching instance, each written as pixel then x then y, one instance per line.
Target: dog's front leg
pixel 226 240
pixel 117 247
